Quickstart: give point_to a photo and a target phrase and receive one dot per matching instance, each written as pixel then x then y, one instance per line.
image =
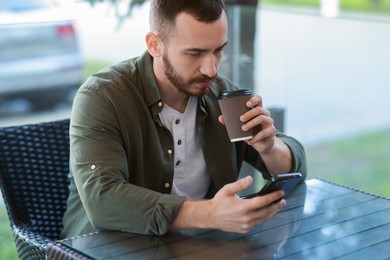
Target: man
pixel 148 154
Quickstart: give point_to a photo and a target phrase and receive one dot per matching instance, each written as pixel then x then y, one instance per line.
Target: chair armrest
pixel 57 250
pixel 29 244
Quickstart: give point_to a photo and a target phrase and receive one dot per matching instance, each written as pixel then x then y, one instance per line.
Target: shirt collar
pixel 148 80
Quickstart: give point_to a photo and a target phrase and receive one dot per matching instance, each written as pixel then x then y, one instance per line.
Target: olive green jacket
pixel 121 155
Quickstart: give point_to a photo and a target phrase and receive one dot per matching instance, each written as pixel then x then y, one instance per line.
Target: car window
pixel 23 5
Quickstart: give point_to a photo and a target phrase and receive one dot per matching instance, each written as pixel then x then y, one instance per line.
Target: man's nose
pixel 209 66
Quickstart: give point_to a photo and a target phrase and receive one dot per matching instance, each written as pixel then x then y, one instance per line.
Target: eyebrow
pixel 205 50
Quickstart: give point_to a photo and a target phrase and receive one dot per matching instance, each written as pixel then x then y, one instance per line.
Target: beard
pixel 187 87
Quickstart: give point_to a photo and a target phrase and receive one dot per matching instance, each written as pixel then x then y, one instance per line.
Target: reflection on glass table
pixel 321 220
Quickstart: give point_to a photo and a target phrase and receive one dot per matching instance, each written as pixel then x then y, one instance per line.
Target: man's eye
pixel 195 54
pixel 220 50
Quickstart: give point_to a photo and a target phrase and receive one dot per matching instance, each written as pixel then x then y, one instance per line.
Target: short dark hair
pixel 163 13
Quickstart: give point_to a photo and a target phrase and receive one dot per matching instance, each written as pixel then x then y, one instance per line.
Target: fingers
pixel 259 119
pixel 221 119
pixel 255 113
pixel 264 140
pixel 257 202
pixel 255 104
pixel 262 209
pixel 254 101
pixel 235 187
pixel 263 214
pixel 229 213
pixel 267 199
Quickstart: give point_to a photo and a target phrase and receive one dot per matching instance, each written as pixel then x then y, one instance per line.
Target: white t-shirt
pixel 191 178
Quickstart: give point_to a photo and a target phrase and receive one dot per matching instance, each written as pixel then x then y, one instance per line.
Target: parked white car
pixel 40 56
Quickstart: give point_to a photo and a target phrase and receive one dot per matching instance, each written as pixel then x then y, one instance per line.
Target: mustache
pixel 203 78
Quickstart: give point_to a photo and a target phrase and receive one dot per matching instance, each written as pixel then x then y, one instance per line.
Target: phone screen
pixel 285 181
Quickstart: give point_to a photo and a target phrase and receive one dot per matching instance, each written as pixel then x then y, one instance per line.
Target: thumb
pixel 221 119
pixel 239 185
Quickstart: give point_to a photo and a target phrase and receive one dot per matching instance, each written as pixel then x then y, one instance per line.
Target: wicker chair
pixel 34 164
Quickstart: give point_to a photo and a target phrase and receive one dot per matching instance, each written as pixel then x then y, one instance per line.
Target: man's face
pixel 192 54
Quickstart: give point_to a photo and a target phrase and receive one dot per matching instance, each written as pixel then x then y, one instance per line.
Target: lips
pixel 205 82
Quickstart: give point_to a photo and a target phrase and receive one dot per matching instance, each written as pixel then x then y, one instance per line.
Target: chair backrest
pixel 34 164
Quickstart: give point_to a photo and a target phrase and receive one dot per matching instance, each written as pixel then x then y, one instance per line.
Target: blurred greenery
pixel 377 6
pixel 361 162
pixel 313 3
pixel 7 245
pixel 92 66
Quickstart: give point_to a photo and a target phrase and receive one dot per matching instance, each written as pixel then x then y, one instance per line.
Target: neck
pixel 177 101
pixel 171 96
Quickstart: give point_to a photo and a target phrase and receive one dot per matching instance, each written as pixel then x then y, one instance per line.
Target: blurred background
pixel 320 65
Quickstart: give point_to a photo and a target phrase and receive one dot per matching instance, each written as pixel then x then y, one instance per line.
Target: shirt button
pixel 93 167
pixel 177 121
pixel 167 185
pixel 177 163
pixel 160 104
pixel 169 151
pixel 179 142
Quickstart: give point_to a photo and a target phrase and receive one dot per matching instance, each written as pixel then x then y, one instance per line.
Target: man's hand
pixel 238 215
pixel 227 212
pixel 260 120
pixel 275 154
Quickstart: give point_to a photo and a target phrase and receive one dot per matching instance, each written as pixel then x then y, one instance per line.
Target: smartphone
pixel 285 181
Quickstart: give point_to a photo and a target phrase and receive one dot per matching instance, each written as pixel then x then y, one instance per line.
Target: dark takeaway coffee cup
pixel 233 105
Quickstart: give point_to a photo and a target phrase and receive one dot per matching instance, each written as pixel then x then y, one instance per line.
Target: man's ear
pixel 152 42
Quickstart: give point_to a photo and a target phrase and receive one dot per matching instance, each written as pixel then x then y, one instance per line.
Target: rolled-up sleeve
pixel 298 154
